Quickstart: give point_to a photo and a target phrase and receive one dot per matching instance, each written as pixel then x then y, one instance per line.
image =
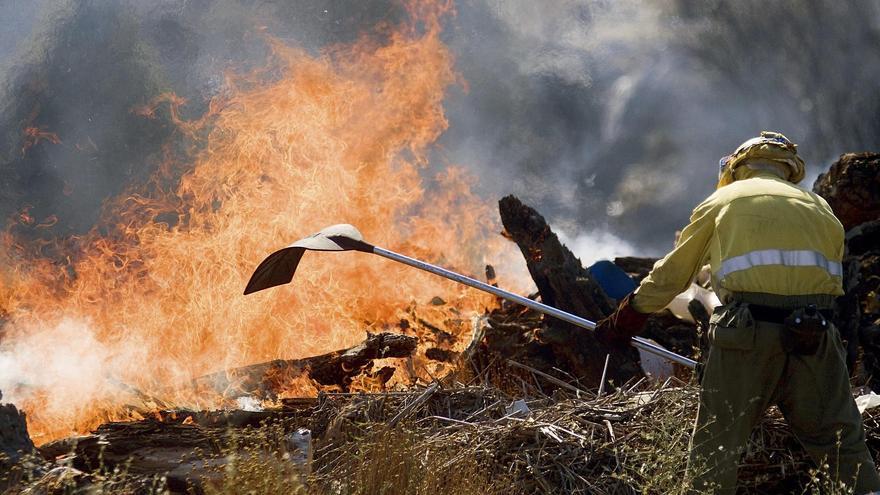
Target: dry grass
pixel 621 443
pixel 390 462
pixel 255 461
pixel 462 440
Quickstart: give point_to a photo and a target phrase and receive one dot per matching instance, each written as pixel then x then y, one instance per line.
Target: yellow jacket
pixel 760 234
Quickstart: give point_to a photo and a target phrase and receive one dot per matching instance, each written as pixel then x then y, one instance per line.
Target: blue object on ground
pixel 613 280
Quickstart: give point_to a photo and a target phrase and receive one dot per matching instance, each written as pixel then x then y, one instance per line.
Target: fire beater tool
pixel 279 267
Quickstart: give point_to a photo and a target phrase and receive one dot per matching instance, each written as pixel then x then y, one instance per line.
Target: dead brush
pixel 624 442
pixel 392 461
pixel 467 440
pixel 631 441
pixel 255 462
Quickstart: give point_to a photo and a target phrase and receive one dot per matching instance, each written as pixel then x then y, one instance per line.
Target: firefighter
pixel 775 253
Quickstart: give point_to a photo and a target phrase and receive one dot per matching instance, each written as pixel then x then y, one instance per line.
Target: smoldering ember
pixel 470 189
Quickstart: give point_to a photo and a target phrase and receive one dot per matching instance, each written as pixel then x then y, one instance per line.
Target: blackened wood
pixel 565 284
pixel 126 444
pixel 561 280
pixel 187 455
pixel 338 368
pixel 442 355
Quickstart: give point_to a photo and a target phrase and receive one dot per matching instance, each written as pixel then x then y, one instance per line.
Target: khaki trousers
pixel 747 371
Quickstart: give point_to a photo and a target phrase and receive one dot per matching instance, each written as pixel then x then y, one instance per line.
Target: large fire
pixel 152 296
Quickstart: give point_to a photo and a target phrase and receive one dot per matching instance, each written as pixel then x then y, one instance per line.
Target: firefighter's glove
pixel 616 331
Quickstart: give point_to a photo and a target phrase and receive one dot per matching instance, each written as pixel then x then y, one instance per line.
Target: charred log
pixel 561 280
pixel 185 451
pixel 336 368
pixel 186 455
pixel 442 355
pixel 117 444
pixel 563 283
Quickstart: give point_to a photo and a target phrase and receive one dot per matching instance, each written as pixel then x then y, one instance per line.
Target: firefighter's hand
pixel 616 331
pixel 608 336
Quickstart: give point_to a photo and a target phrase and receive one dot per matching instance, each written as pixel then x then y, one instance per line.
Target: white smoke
pixel 68 360
pixel 596 245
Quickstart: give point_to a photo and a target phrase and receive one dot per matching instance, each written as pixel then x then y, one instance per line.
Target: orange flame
pixel 152 297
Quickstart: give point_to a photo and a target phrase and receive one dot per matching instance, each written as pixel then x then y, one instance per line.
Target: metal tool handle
pixel 637 342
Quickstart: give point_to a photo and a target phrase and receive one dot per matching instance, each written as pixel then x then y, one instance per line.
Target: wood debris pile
pixel 532 405
pixel 632 440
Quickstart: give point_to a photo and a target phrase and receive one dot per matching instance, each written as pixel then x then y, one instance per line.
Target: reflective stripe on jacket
pixel 758 234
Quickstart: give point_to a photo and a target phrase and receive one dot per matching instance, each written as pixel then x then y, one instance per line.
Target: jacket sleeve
pixel 674 273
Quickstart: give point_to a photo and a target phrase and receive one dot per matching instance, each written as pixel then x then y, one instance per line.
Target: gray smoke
pixel 611 116
pixel 78 69
pixel 608 116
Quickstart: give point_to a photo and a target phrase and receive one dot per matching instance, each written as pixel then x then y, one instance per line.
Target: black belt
pixel 772 314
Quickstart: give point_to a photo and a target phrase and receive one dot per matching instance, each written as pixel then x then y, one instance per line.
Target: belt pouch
pixel 803 331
